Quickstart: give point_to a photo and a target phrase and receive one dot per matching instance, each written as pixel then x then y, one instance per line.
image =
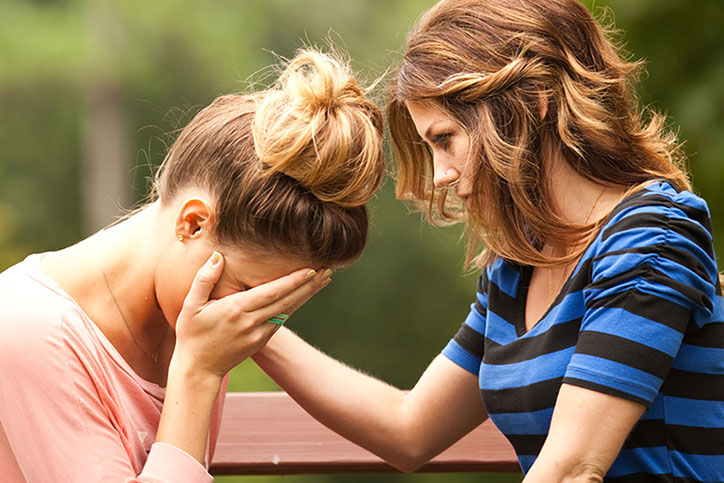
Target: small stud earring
pixel 180 237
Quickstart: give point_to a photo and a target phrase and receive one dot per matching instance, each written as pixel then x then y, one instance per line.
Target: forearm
pixel 561 470
pixel 187 408
pixel 361 408
pixel 587 432
pixel 404 428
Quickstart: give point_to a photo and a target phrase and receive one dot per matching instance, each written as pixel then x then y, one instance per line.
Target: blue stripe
pixel 508 279
pixel 534 422
pixel 526 461
pixel 499 330
pixel 565 311
pixel 657 409
pixel 707 468
pixel 461 357
pixel 615 375
pixel 630 326
pixel 629 461
pixel 475 320
pixel 633 237
pixel 494 377
pixel 704 360
pixel 482 300
pixel 718 312
pixel 668 293
pixel 694 412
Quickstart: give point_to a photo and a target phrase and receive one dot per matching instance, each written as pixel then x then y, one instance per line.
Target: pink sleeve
pixel 56 424
pixel 169 463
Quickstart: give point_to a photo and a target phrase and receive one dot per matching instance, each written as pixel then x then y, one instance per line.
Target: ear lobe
pixel 194 218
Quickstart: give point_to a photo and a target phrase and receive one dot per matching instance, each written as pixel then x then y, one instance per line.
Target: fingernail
pixel 326 281
pixel 215 258
pixel 310 274
pixel 327 273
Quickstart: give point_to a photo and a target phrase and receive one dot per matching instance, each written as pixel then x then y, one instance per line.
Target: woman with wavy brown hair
pixel 114 352
pixel 597 335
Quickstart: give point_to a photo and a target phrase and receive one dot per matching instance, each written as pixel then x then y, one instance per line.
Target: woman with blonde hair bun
pixel 596 338
pixel 114 352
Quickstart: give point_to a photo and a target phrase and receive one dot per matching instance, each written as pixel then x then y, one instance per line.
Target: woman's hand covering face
pixel 215 335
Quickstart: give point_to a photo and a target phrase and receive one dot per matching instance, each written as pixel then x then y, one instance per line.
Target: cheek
pixel 221 290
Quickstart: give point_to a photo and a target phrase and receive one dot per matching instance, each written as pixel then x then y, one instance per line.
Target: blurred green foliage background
pixel 93 91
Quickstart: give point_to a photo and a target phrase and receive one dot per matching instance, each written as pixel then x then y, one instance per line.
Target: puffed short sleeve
pixel 653 278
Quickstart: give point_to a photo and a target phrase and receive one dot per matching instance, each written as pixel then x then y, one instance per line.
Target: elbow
pixel 408 463
pixel 410 456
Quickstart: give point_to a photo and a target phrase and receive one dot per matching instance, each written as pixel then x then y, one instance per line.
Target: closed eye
pixel 442 140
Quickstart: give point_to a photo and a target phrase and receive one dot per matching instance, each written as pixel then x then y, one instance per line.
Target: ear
pixel 194 219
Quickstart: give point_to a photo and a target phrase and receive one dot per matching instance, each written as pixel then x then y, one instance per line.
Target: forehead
pixel 427 115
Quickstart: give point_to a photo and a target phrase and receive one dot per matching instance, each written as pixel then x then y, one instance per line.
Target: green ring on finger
pixel 279 319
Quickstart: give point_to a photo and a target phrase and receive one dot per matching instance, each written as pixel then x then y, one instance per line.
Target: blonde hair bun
pixel 317 126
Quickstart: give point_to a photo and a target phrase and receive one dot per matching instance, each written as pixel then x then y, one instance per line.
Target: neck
pixel 128 252
pixel 578 200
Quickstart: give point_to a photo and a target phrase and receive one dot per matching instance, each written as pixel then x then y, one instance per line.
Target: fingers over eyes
pixel 292 290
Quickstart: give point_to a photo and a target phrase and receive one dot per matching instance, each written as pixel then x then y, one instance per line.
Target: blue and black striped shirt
pixel 641 317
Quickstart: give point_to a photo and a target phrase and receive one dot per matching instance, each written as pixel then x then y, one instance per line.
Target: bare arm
pixel 587 432
pixel 404 428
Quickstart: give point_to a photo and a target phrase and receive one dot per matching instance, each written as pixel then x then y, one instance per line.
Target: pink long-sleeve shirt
pixel 71 408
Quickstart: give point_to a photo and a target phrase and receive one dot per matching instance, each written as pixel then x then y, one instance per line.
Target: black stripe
pixel 635 201
pixel 645 305
pixel 675 254
pixel 526 444
pixel 694 232
pixel 560 336
pixel 573 381
pixel 693 385
pixel 482 289
pixel 685 228
pixel 656 278
pixel 647 478
pixel 642 199
pixel 533 397
pixel 696 440
pixel 470 340
pixel 624 351
pixel 635 221
pixel 502 304
pixel 647 433
pixel 686 439
pixel 710 335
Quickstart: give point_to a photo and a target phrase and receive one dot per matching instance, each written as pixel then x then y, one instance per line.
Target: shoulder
pixel 658 241
pixel 660 206
pixel 35 317
pixel 660 218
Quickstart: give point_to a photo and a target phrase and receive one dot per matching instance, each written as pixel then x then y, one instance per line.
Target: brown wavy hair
pixel 491 65
pixel 289 168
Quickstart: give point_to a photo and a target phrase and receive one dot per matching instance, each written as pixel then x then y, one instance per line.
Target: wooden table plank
pixel 268 433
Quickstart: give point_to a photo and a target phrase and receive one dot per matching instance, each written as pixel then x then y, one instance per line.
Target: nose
pixel 445 176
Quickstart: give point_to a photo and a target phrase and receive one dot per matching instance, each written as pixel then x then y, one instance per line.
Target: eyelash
pixel 442 140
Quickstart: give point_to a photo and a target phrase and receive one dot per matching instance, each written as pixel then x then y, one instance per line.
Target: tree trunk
pixel 105 168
